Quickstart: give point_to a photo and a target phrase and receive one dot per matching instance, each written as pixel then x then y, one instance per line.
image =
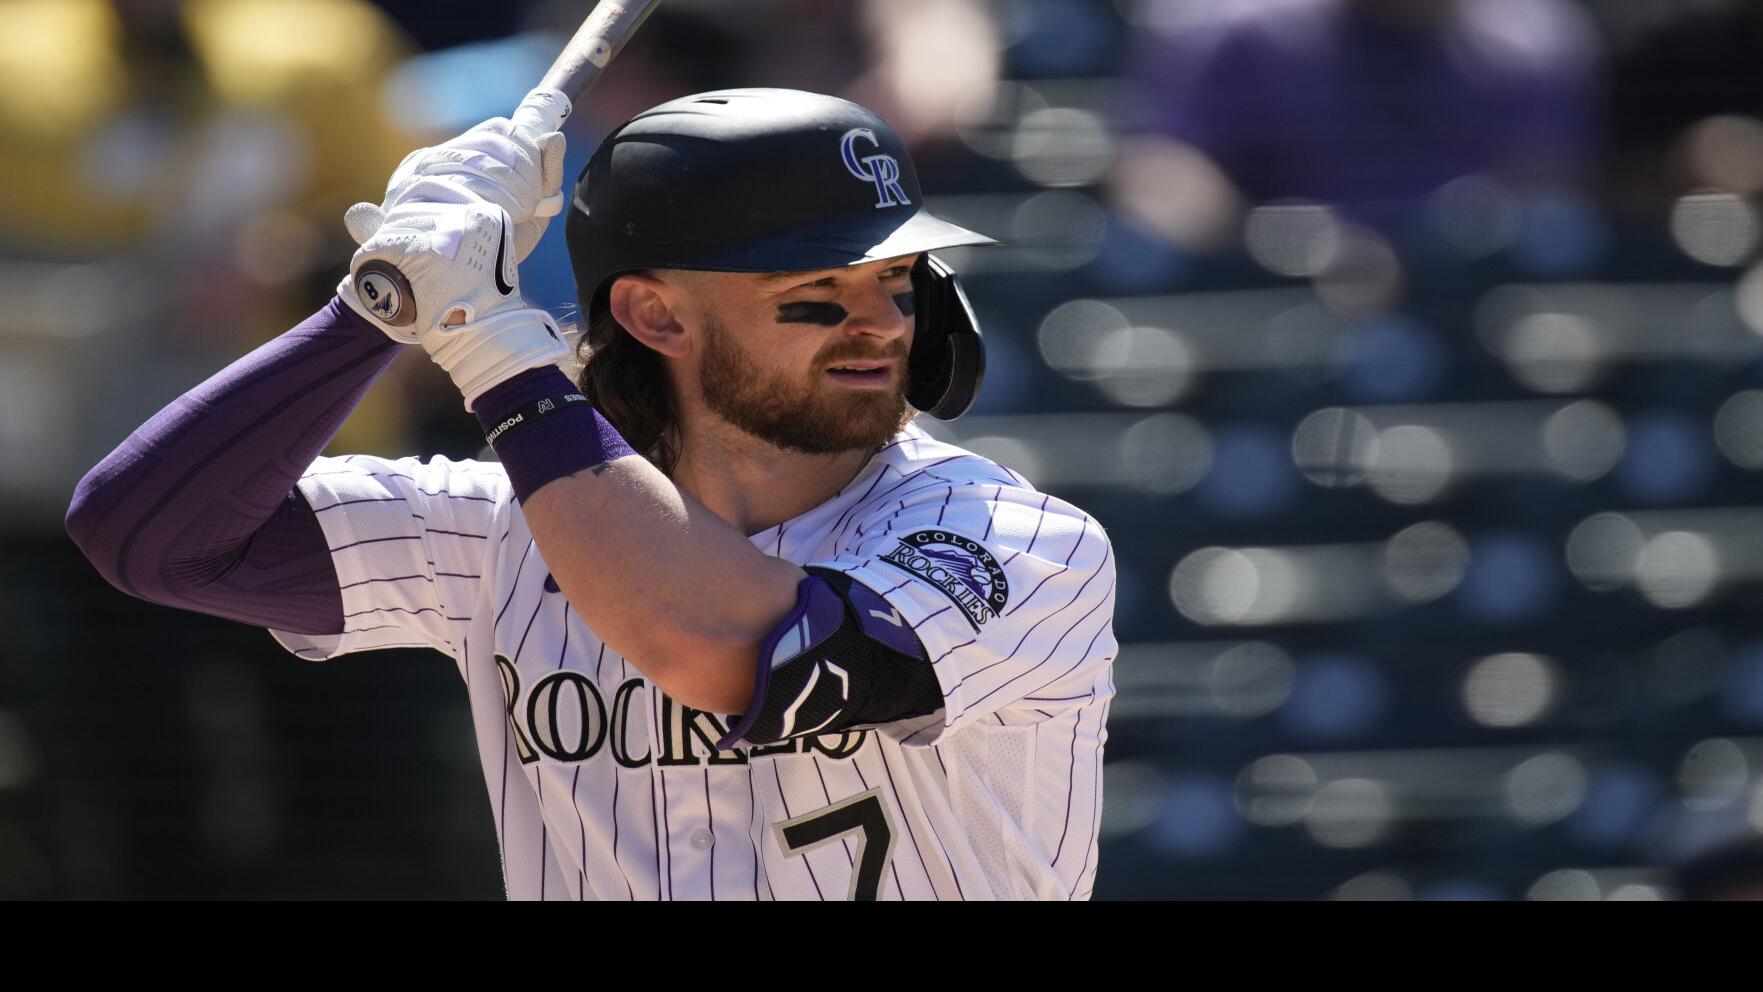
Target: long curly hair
pixel 628 382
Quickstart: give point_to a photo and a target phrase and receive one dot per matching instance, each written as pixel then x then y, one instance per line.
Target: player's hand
pixel 516 164
pixel 442 275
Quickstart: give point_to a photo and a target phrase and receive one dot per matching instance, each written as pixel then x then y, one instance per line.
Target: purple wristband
pixel 563 442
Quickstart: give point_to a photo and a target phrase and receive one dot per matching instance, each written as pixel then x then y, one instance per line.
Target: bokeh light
pixel 1510 690
pixel 1715 228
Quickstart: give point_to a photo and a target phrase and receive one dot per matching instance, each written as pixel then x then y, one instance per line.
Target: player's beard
pixel 813 416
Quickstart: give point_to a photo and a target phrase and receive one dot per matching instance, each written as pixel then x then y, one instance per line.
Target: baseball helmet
pixel 770 180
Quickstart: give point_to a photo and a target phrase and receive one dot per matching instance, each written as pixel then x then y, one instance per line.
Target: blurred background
pixel 1411 351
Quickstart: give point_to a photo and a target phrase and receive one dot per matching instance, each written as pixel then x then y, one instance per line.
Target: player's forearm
pixel 669 585
pixel 196 509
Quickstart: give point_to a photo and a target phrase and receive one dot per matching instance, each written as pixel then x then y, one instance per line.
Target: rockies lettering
pixel 602 787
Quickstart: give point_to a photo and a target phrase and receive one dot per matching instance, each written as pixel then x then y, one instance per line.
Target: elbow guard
pixel 843 658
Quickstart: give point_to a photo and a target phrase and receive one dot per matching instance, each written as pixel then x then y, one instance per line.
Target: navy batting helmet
pixel 768 180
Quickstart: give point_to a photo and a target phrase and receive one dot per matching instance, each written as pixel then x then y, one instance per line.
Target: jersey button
pixel 702 839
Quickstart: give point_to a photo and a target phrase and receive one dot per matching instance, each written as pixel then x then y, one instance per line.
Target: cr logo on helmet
pixel 881 169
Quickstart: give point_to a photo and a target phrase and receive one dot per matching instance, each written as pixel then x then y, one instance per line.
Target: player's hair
pixel 628 382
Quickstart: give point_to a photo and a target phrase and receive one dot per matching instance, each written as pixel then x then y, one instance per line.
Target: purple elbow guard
pixel 843 657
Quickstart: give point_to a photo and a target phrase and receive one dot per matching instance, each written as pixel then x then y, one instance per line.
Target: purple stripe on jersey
pixel 618 865
pixel 1066 699
pixel 416 484
pixel 516 584
pixel 904 479
pixel 502 808
pixel 753 800
pixel 356 473
pixel 710 825
pixel 1106 622
pixel 992 517
pixel 882 527
pixel 785 799
pixel 1037 534
pixel 581 888
pixel 394 578
pixel 1095 805
pixel 1055 649
pixel 937 752
pixel 945 509
pixel 377 540
pixel 544 838
pixel 393 609
pixel 906 818
pixel 1081 534
pixel 664 840
pixel 1044 713
pixel 582 852
pixel 933 616
pixel 363 630
pixel 952 650
pixel 1070 789
pixel 1025 634
pixel 859 502
pixel 364 499
pixel 455 533
pixel 893 863
pixel 829 801
pixel 866 500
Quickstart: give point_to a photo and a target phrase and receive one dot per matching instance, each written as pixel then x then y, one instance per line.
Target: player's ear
pixel 648 308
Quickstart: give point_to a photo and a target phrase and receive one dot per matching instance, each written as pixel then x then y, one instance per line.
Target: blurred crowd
pixel 1409 348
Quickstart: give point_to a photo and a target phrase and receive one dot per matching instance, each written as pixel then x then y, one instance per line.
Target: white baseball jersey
pixel 604 788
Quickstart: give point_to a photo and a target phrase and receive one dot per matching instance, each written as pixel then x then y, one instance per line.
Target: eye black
pixel 812 312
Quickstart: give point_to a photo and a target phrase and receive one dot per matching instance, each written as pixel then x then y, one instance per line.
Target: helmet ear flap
pixel 948 359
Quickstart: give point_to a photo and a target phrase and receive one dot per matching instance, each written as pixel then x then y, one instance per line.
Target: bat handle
pixel 595 43
pixel 542 111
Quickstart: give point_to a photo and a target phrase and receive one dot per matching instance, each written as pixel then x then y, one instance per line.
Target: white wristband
pixel 493 350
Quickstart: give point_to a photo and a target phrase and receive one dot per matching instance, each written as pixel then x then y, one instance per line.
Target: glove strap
pixel 495 348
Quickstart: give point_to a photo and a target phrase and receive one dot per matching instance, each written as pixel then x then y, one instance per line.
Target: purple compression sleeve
pixel 197 509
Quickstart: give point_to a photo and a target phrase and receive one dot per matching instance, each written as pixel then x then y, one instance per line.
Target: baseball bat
pixel 602 35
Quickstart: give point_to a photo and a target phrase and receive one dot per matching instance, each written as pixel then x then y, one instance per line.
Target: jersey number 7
pixel 864 815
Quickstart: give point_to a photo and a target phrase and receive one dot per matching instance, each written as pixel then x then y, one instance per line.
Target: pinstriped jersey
pixel 604 788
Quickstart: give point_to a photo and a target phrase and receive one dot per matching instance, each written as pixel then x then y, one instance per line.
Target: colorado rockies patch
pixel 965 572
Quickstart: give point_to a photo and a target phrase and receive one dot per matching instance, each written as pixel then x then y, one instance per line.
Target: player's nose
pixel 876 312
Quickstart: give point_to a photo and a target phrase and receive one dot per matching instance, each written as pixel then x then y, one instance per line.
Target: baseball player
pixel 732 627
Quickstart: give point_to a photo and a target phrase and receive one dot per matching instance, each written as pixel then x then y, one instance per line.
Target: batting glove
pixel 442 275
pixel 516 164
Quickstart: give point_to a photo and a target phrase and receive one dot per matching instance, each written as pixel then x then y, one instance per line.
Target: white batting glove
pixel 442 275
pixel 516 164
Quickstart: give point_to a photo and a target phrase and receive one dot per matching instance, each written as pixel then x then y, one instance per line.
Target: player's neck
pixel 754 485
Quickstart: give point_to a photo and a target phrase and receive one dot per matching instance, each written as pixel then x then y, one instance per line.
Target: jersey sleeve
pixel 1009 591
pixel 411 542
